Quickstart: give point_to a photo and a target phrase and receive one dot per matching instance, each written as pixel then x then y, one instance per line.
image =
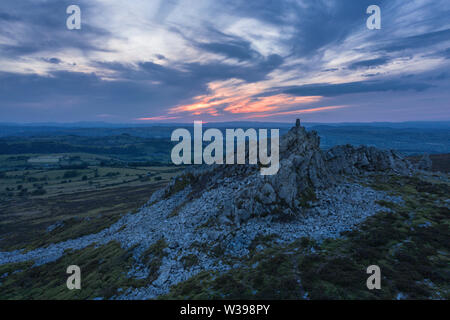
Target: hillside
pixel 308 232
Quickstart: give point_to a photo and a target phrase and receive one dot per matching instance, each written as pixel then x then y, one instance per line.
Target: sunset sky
pixel 151 61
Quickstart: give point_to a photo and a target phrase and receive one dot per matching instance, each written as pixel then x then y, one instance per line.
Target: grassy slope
pixel 103 274
pixel 410 245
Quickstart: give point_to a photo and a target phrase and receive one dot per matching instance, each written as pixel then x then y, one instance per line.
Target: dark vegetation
pixel 152 258
pixel 24 224
pixel 123 147
pixel 103 273
pixel 409 244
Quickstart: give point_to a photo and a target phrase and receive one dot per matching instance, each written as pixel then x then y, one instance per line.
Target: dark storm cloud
pixel 252 73
pixel 445 53
pixel 70 95
pixel 417 41
pixel 7 17
pixel 321 24
pixel 160 57
pixel 43 27
pixel 270 11
pixel 150 86
pixel 239 50
pixel 52 60
pixel 316 24
pixel 196 74
pixel 221 43
pixel 371 63
pixel 330 90
pixel 17 50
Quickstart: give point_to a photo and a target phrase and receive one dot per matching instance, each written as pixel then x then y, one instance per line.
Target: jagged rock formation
pixel 304 169
pixel 360 160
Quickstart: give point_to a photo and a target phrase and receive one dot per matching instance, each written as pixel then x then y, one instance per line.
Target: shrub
pixel 39 192
pixel 70 174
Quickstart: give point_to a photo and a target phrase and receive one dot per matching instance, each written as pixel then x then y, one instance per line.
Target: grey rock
pixel 425 163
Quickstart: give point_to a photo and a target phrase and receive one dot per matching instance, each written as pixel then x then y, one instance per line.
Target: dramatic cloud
pixel 368 63
pixel 180 60
pixel 330 90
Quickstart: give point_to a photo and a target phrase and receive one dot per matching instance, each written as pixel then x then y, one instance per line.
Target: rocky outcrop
pixel 352 160
pixel 304 169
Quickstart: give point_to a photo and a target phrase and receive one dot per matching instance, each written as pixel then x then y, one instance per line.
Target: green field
pixel 78 200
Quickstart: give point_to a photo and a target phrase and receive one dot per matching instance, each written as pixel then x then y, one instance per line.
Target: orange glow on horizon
pixel 238 102
pixel 232 98
pixel 158 118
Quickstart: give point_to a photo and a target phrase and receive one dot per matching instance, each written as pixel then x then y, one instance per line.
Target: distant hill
pixel 410 138
pixel 409 141
pixel 99 124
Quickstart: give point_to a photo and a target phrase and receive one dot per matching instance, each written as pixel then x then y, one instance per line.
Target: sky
pixel 151 61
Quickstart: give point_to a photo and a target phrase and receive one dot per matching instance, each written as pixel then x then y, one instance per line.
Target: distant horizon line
pixel 215 122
